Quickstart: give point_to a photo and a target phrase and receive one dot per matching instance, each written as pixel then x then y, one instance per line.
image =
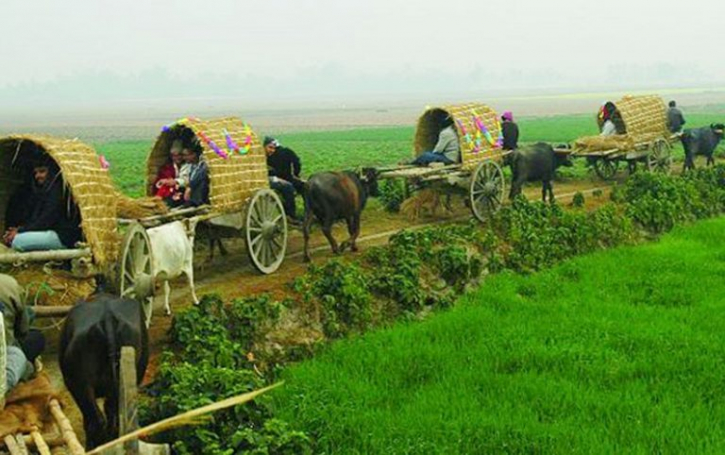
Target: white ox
pixel 172 249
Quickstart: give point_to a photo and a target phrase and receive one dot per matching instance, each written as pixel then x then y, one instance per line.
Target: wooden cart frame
pixel 479 176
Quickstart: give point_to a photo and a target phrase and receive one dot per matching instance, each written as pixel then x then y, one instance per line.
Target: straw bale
pixel 144 207
pixel 645 117
pixel 88 183
pixel 52 287
pixel 232 180
pixel 591 144
pixel 426 134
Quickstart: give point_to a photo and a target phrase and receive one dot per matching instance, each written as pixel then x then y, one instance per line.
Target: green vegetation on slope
pixel 618 351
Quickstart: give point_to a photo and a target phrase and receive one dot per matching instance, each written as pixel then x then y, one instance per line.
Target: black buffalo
pixel 535 163
pixel 701 141
pixel 90 350
pixel 334 196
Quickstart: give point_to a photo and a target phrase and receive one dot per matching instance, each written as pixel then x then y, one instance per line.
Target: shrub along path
pixel 618 351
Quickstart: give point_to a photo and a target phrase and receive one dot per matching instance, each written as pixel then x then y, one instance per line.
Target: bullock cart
pixel 479 175
pixel 642 137
pixel 115 243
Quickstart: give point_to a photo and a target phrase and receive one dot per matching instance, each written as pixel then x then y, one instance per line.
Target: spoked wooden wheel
pixel 487 189
pixel 660 157
pixel 606 169
pixel 266 230
pixel 136 279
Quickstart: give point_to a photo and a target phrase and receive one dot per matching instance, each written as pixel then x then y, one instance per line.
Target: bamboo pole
pixel 186 418
pixel 51 311
pixel 40 256
pixel 40 443
pixel 21 444
pixel 66 429
pixel 12 445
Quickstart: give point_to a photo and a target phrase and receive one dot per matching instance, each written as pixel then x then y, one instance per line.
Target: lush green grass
pixel 348 149
pixel 616 352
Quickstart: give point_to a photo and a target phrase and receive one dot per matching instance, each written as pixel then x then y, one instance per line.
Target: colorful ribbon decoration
pixel 105 165
pixel 212 145
pixel 180 121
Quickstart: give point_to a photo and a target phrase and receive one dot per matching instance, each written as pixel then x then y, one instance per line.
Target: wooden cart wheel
pixel 606 169
pixel 487 189
pixel 137 277
pixel 266 231
pixel 660 157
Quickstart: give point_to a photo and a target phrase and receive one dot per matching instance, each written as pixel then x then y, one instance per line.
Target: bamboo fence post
pixel 66 429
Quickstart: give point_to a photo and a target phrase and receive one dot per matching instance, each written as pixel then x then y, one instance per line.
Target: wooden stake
pixel 21 444
pixel 12 445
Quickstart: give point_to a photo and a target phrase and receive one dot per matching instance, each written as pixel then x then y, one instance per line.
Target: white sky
pixel 567 41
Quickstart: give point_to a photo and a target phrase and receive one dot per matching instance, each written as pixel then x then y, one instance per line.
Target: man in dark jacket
pixel 50 223
pixel 197 190
pixel 284 173
pixel 510 131
pixel 675 120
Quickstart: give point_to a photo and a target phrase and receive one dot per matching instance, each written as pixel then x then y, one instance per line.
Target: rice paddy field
pixel 346 149
pixel 615 352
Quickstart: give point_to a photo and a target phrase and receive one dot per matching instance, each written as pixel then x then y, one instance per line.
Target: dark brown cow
pixel 90 351
pixel 334 196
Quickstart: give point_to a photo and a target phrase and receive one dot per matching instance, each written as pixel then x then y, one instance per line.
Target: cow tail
pixel 113 351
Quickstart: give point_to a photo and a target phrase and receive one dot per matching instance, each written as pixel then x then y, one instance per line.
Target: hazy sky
pixel 284 47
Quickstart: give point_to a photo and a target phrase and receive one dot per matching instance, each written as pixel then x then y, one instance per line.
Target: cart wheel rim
pixel 487 190
pixel 266 231
pixel 606 169
pixel 137 277
pixel 660 157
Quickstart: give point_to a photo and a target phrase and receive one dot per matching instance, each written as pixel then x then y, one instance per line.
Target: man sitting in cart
pixel 196 188
pixel 447 150
pixel 51 221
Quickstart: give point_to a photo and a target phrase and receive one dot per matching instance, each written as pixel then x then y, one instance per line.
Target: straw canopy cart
pixel 479 175
pixel 644 137
pixel 239 196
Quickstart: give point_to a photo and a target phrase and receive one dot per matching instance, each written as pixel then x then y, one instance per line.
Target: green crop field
pixel 615 352
pixel 347 149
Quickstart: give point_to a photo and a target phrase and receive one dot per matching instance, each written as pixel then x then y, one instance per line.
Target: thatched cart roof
pixel 236 159
pixel 88 183
pixel 476 146
pixel 644 116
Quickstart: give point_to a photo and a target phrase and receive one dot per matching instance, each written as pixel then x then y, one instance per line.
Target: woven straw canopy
pixel 645 117
pixel 234 178
pixel 464 117
pixel 88 183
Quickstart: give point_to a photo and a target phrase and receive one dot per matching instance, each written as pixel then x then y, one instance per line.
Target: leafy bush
pixel 392 194
pixel 340 290
pixel 578 199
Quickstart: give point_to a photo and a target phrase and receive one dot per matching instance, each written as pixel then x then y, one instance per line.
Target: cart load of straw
pixel 134 209
pixel 645 118
pixel 594 144
pixel 53 287
pixel 85 179
pixel 477 125
pixel 237 162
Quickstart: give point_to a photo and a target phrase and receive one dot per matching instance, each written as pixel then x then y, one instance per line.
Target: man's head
pixel 189 156
pixel 672 104
pixel 507 116
pixel 40 173
pixel 270 144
